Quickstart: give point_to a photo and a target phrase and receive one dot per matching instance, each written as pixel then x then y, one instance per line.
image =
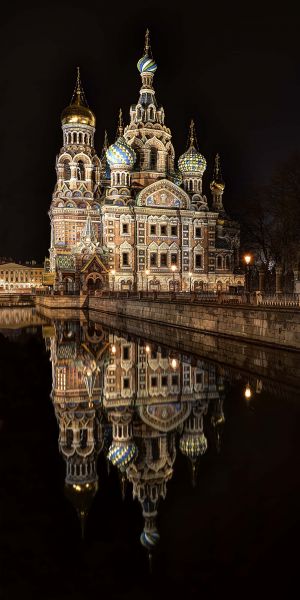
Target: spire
pixel 105 145
pixel 192 139
pixel 217 185
pixel 217 169
pixel 120 129
pixel 147 47
pixel 78 97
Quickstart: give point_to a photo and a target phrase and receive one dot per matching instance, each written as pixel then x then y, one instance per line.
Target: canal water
pixel 133 468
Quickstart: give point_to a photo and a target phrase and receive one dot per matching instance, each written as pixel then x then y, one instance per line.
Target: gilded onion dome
pixel 217 184
pixel 192 162
pixel 146 64
pixel 193 445
pixel 78 112
pixel 121 454
pixel 120 153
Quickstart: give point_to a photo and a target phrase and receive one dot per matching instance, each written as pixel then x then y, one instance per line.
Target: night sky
pixel 235 73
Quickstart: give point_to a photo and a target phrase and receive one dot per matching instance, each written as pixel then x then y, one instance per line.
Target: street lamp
pixel 247 392
pixel 173 269
pixel 147 273
pixel 190 276
pixel 113 279
pixel 247 259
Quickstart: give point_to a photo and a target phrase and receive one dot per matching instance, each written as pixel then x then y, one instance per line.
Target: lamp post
pixel 247 259
pixel 173 269
pixel 147 274
pixel 190 276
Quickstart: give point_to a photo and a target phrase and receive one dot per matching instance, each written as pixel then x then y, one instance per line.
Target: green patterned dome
pixel 192 162
pixel 193 445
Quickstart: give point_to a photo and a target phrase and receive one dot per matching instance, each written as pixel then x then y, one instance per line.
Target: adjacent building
pixel 134 219
pixel 18 277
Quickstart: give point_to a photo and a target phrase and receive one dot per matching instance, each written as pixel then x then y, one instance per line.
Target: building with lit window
pixel 133 219
pixel 16 277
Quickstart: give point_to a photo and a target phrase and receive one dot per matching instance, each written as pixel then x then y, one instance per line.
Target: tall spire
pixel 78 94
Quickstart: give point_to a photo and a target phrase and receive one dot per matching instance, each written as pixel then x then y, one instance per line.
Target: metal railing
pixel 279 300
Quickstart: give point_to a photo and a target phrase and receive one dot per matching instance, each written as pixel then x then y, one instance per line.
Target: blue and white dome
pixel 193 445
pixel 122 454
pixel 146 64
pixel 192 162
pixel 120 154
pixel 149 539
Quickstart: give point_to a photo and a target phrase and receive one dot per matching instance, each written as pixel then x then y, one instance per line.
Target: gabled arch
pixel 154 142
pixel 176 197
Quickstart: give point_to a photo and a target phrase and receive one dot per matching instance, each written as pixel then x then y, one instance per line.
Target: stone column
pixel 261 280
pixel 278 289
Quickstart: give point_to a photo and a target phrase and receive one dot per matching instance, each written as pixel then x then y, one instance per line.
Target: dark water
pixel 216 475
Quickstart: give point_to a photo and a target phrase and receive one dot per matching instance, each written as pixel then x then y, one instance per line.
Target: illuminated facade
pixel 131 401
pixel 131 219
pixel 18 277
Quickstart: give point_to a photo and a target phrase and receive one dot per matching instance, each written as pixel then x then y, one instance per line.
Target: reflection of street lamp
pixel 147 349
pixel 190 276
pixel 173 269
pixel 174 363
pixel 147 273
pixel 247 259
pixel 247 392
pixel 113 279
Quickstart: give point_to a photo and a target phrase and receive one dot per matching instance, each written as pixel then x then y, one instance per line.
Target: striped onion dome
pixel 193 444
pixel 122 454
pixel 146 64
pixel 120 154
pixel 149 539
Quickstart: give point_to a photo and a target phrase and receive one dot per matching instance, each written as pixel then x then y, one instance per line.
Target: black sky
pixel 236 72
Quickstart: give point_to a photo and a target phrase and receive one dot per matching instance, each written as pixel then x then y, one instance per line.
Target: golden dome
pixel 78 112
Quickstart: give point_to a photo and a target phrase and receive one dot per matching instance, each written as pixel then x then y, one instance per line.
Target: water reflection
pixel 137 403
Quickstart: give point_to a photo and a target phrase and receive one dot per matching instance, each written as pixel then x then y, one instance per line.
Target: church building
pixel 133 219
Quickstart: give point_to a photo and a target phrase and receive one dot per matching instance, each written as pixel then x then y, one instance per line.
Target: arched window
pixel 80 138
pixel 67 170
pixel 80 170
pixel 219 262
pixel 153 159
pixel 151 114
pixel 227 262
pixel 138 162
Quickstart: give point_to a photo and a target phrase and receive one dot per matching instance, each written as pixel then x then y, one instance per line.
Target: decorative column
pixel 278 289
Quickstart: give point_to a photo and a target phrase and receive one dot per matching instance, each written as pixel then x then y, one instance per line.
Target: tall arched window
pixel 138 162
pixel 80 170
pixel 153 159
pixel 67 170
pixel 219 262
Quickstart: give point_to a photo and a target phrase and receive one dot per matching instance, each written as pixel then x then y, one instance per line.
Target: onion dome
pixel 122 454
pixel 78 112
pixel 149 539
pixel 120 153
pixel 192 162
pixel 217 184
pixel 146 64
pixel 193 444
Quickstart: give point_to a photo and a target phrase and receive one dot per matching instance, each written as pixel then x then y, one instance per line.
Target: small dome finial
pixel 217 184
pixel 147 48
pixel 120 124
pixel 192 134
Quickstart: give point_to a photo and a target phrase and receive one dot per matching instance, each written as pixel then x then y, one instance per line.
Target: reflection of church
pixel 132 219
pixel 136 403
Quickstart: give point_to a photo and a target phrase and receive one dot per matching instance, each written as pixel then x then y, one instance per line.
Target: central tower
pixel 147 133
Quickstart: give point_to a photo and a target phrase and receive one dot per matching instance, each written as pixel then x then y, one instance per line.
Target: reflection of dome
pixel 146 64
pixel 81 495
pixel 192 162
pixel 120 153
pixel 122 454
pixel 149 539
pixel 193 445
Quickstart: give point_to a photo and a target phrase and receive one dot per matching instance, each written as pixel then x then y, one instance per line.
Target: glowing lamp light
pixel 147 272
pixel 113 349
pixel 147 349
pixel 247 392
pixel 173 268
pixel 113 272
pixel 190 274
pixel 174 363
pixel 247 259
